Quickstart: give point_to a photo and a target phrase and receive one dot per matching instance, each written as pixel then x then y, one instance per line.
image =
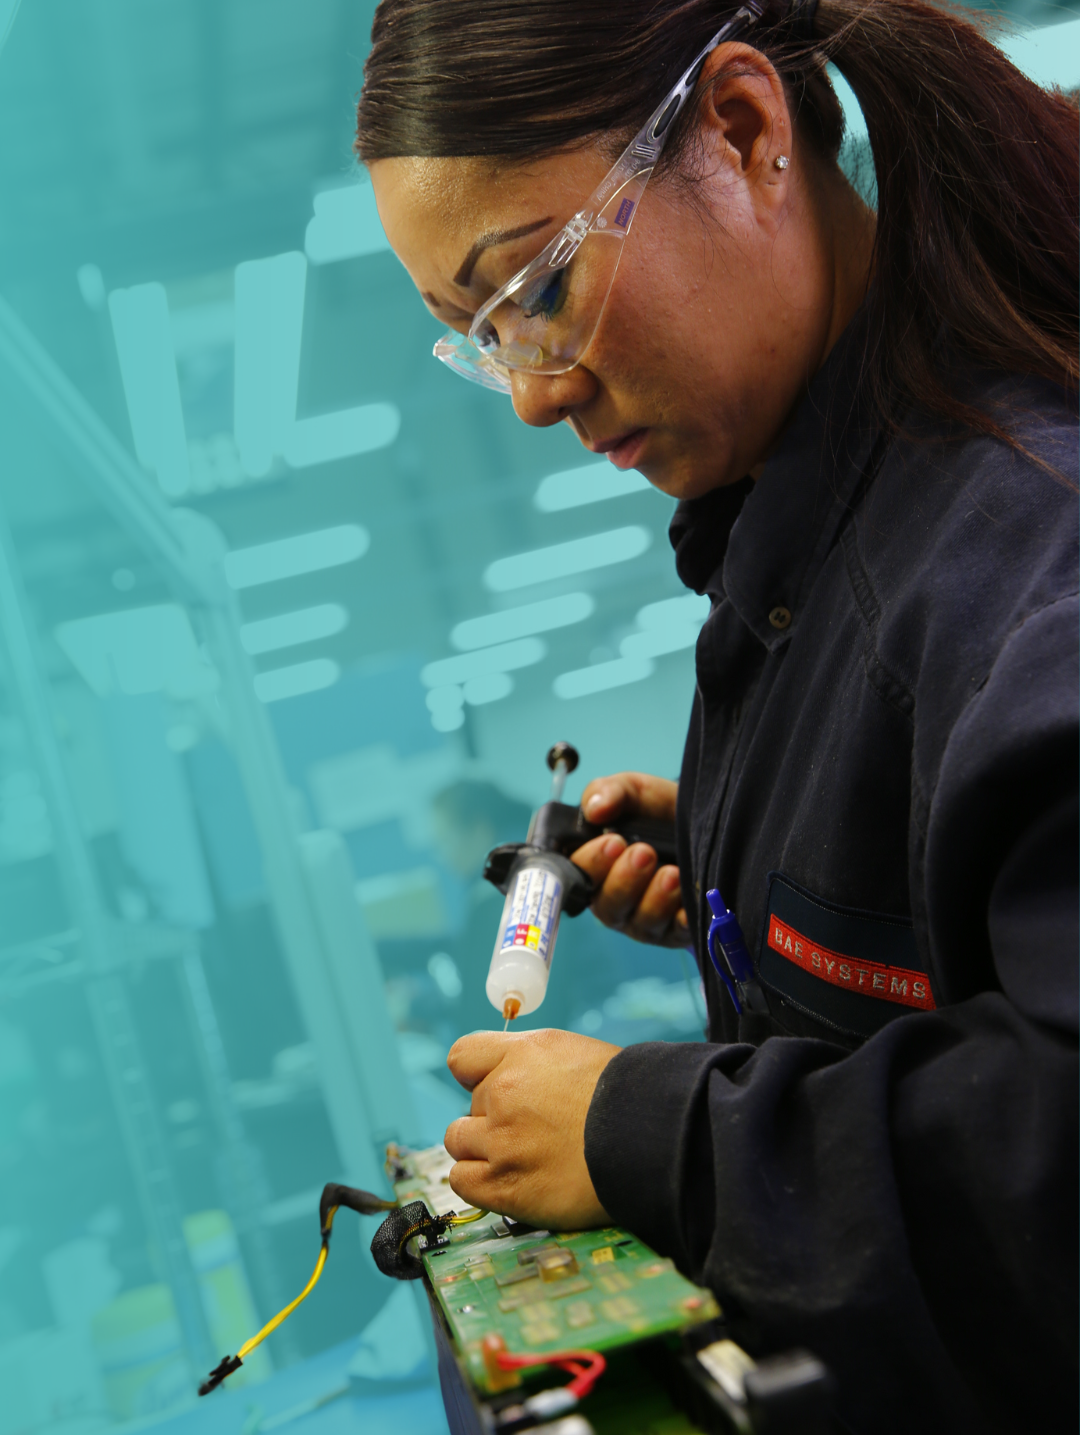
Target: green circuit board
pixel 544 1291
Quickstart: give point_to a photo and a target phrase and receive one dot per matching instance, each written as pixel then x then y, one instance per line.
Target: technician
pixel 630 216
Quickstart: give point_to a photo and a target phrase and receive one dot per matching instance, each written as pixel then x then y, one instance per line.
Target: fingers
pixel 646 903
pixel 473 1177
pixel 471 1180
pixel 626 884
pixel 525 1158
pixel 599 856
pixel 606 798
pixel 659 916
pixel 466 1138
pixel 472 1057
pixel 635 895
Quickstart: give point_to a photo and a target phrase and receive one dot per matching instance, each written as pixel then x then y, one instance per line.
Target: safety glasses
pixel 543 319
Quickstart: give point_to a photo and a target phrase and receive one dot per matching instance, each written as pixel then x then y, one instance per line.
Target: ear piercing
pixel 781 161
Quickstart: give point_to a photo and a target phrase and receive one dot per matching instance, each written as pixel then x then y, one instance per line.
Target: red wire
pixel 585 1376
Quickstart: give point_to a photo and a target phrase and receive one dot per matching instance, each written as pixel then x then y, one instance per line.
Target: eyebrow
pixel 496 236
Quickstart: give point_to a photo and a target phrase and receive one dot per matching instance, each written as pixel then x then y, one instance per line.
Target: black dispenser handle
pixel 560 827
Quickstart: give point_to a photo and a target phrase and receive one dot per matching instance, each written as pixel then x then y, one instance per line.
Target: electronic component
pixel 514 1307
pixel 542 1292
pixel 413 1226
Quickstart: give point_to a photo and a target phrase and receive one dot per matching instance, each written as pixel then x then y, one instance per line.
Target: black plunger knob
pixel 563 753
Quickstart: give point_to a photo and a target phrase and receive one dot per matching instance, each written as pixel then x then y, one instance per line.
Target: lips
pixel 623 451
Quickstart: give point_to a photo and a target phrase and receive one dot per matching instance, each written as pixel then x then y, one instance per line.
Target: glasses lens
pixel 544 319
pixel 458 352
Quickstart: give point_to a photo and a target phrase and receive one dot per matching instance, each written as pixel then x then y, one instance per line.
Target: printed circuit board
pixel 543 1291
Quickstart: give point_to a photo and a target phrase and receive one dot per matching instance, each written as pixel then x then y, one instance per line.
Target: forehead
pixel 435 210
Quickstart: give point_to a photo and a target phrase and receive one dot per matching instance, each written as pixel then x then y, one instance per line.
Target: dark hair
pixel 977 168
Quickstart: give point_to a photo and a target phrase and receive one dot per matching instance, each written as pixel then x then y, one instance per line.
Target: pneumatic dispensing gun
pixel 541 884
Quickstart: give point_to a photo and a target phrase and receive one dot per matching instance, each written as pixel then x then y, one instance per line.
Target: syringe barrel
pixel 521 961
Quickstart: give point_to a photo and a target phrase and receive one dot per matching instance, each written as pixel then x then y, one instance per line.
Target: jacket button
pixel 780 617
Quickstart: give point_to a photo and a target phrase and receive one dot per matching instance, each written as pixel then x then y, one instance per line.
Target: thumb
pixel 605 798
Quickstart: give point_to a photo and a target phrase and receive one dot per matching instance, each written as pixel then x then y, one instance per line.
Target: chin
pixel 683 478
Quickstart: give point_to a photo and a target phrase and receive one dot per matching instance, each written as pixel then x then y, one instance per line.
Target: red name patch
pixel 890 984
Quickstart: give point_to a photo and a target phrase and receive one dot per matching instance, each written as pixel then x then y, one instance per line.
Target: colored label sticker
pixel 872 979
pixel 533 916
pixel 623 213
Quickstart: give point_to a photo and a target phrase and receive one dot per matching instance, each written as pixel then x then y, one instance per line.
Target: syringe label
pixel 533 913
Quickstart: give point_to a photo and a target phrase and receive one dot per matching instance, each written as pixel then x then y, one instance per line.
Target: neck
pixel 851 225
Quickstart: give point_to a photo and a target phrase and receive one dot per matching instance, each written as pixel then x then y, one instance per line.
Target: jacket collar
pixel 762 544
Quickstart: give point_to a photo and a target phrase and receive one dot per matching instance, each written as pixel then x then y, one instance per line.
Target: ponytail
pixel 978 182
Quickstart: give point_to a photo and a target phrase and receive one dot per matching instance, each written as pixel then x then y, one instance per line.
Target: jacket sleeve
pixel 916 1198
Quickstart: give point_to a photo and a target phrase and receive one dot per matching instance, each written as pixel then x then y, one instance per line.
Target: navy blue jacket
pixel 881 778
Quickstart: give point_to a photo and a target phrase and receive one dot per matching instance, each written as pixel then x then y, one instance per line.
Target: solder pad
pixel 545 1291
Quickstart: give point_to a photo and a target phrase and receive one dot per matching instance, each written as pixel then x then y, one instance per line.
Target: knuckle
pixel 611 915
pixel 452 1138
pixel 590 856
pixel 547 1038
pixel 460 1184
pixel 504 1093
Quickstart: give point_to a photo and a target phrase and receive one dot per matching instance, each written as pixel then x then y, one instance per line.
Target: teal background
pixel 239 927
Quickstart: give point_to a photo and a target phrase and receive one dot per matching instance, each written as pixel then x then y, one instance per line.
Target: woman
pixel 870 422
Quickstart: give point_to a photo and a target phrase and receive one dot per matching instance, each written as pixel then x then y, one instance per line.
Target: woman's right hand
pixel 635 895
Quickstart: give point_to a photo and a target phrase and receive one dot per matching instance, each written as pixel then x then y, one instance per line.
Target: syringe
pixel 541 884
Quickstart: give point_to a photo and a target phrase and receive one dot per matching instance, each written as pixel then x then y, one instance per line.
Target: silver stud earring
pixel 781 161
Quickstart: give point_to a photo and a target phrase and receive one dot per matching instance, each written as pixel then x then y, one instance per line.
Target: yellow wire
pixel 272 1325
pixel 466 1220
pixel 451 1220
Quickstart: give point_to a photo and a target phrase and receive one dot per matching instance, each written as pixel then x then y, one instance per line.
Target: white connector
pixel 546 1404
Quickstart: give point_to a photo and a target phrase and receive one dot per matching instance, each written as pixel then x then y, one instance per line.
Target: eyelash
pixel 535 302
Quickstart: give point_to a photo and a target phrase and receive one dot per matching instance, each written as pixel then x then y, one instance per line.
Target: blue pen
pixel 739 977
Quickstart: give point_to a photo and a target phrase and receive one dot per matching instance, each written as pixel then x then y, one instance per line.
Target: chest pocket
pixel 854 970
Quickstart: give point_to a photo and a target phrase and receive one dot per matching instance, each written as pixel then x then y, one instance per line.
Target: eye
pixel 485 337
pixel 545 296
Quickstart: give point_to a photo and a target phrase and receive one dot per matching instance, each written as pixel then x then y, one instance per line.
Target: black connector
pixel 388 1245
pixel 364 1203
pixel 789 1394
pixel 228 1364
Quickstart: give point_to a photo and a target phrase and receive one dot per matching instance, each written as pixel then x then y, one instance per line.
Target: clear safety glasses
pixel 543 319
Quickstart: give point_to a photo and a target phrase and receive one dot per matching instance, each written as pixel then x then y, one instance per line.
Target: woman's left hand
pixel 521 1151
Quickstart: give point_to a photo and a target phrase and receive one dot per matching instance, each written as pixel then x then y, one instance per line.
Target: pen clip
pixel 713 897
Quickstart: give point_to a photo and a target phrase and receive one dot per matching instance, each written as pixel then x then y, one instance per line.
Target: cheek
pixel 644 339
pixel 671 364
pixel 671 313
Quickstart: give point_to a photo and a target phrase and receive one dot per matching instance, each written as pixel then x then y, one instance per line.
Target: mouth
pixel 624 450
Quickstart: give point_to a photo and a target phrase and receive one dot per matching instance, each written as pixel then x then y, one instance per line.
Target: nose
pixel 545 399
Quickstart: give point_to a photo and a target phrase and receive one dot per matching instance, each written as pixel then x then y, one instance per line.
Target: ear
pixel 744 117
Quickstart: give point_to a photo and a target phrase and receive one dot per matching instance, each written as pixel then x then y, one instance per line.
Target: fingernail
pixel 643 857
pixel 594 804
pixel 671 879
pixel 613 846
